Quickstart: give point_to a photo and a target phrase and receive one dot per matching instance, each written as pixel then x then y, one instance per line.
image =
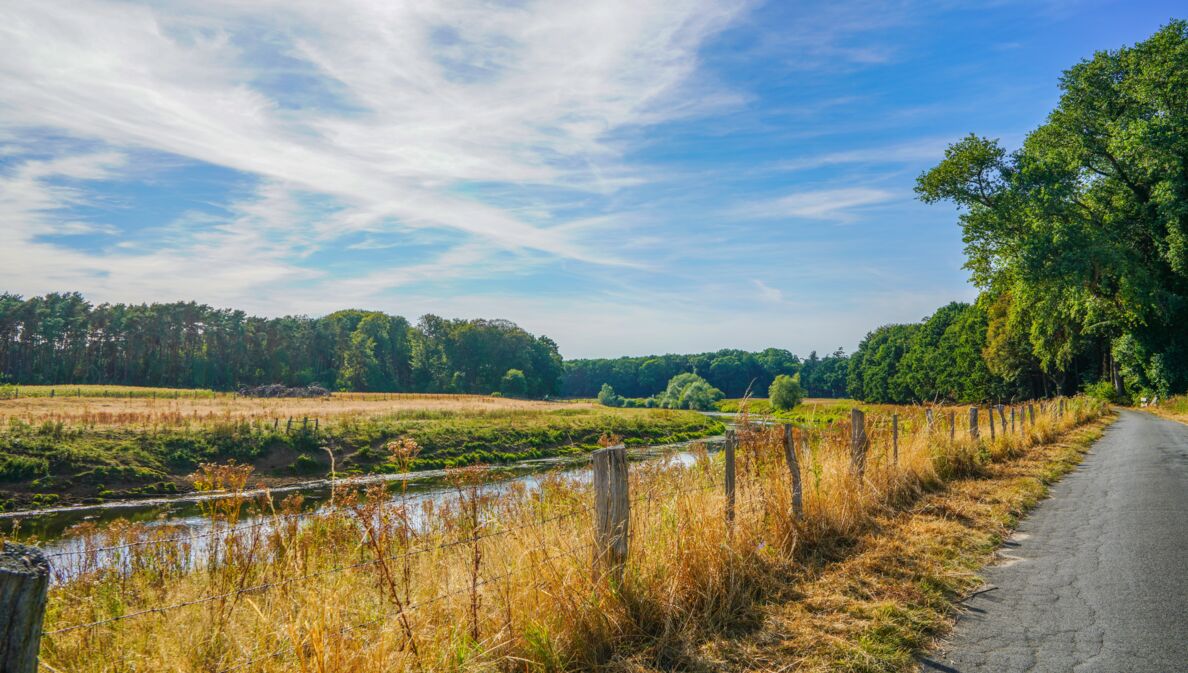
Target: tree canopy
pixel 62 338
pixel 1079 238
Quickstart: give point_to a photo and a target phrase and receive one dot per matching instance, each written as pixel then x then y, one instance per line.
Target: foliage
pixel 1079 239
pixel 733 371
pixel 785 392
pixel 608 397
pixel 63 339
pixel 689 391
pixel 513 383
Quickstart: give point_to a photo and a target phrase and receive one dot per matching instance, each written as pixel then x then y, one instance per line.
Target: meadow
pixel 504 581
pixel 86 444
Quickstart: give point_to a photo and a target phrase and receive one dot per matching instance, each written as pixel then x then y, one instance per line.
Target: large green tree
pixel 1079 238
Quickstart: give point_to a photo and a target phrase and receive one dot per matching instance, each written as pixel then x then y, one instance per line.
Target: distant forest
pixel 734 372
pixel 61 338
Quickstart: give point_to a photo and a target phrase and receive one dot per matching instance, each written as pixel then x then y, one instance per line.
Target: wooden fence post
pixel 858 442
pixel 794 468
pixel 1031 412
pixel 1012 419
pixel 1001 419
pixel 1060 414
pixel 952 425
pixel 731 441
pixel 928 418
pixel 612 513
pixel 24 579
pixel 990 416
pixel 895 438
pixel 973 422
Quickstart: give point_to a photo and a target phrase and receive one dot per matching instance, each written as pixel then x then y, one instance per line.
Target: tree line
pixel 62 338
pixel 734 372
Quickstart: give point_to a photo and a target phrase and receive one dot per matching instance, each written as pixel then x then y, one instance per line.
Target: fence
pixel 608 509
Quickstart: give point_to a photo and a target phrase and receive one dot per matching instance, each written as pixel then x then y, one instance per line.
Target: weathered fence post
pixel 990 416
pixel 794 468
pixel 858 442
pixel 895 438
pixel 730 444
pixel 952 425
pixel 928 418
pixel 1060 414
pixel 289 425
pixel 1031 412
pixel 612 513
pixel 24 579
pixel 1002 419
pixel 973 422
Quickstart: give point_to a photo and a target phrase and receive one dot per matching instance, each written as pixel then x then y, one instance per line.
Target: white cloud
pixel 416 98
pixel 767 292
pixel 825 204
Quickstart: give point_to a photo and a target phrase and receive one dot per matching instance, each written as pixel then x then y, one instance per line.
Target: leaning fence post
pixel 612 513
pixel 1001 419
pixel 730 444
pixel 895 437
pixel 973 422
pixel 858 442
pixel 794 468
pixel 24 579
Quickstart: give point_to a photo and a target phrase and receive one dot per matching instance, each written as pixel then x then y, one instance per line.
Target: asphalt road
pixel 1096 577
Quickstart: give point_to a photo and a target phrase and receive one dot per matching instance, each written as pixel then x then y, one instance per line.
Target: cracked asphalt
pixel 1096 577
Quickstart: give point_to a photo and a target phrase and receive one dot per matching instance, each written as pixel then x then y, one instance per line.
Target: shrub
pixel 514 383
pixel 689 391
pixel 1104 390
pixel 607 396
pixel 785 392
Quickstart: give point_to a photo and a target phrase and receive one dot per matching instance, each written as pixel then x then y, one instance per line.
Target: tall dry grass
pixel 139 410
pixel 494 579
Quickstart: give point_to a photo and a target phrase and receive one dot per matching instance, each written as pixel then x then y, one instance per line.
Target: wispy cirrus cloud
pixel 390 109
pixel 835 204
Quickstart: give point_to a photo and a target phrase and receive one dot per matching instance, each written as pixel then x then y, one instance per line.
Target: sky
pixel 628 177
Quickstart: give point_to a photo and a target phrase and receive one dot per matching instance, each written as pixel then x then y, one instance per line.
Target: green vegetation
pixel 121 461
pixel 1079 238
pixel 732 371
pixel 63 339
pixel 785 393
pixel 689 391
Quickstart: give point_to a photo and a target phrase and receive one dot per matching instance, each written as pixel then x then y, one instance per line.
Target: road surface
pixel 1096 577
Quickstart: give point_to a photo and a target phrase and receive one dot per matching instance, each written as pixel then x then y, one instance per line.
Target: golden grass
pixel 503 581
pixel 166 411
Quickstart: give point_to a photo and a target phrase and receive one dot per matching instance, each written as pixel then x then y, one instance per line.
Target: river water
pixel 50 528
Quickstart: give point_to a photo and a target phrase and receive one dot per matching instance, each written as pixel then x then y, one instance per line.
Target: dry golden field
pixel 503 580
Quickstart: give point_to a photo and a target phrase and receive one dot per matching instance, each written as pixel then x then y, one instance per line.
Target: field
pixel 503 580
pixel 102 446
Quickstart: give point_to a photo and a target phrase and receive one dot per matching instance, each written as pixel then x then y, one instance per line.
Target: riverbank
pixel 60 451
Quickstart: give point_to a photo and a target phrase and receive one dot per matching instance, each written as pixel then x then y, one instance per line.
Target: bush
pixel 1104 390
pixel 607 396
pixel 689 391
pixel 514 384
pixel 785 392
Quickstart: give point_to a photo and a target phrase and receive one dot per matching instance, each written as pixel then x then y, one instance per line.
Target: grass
pixel 502 580
pixel 61 449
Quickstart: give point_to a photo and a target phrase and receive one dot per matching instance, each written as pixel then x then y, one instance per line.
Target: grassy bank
pixel 55 450
pixel 503 581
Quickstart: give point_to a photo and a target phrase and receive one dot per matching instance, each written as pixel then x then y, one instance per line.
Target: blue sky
pixel 627 177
